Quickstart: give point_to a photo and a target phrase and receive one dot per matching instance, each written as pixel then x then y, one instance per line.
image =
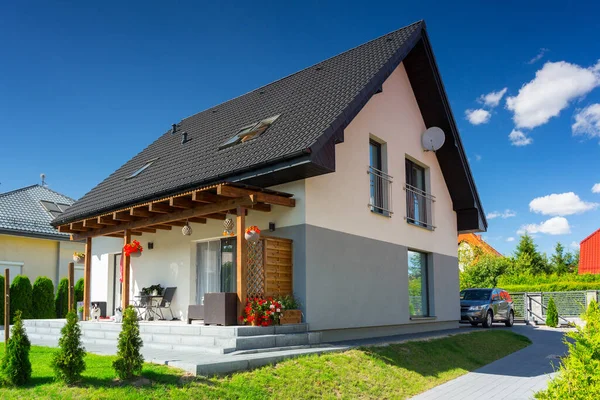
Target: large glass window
pixel 417 284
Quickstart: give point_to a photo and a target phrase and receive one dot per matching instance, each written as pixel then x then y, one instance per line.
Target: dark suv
pixel 486 306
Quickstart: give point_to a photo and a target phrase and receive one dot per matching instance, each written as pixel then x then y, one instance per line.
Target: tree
pixel 484 273
pixel 551 314
pixel 79 290
pixel 129 360
pixel 20 297
pixel 62 298
pixel 528 259
pixel 43 298
pixel 68 362
pixel 559 260
pixel 16 366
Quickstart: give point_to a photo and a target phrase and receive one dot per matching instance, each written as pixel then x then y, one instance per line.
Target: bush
pixel 578 376
pixel 551 314
pixel 16 366
pixel 68 362
pixel 20 297
pixel 550 287
pixel 62 298
pixel 485 272
pixel 42 303
pixel 79 290
pixel 129 360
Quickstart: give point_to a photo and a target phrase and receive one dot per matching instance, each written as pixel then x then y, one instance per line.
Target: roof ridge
pixel 306 68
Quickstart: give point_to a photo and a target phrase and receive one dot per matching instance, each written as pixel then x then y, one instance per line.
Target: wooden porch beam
pixel 160 208
pixel 92 223
pixel 87 275
pixel 77 226
pixel 181 202
pixel 176 223
pixel 126 270
pixel 218 216
pixel 146 230
pixel 107 220
pixel 163 227
pixel 140 212
pixel 123 216
pixel 205 197
pixel 66 229
pixel 262 207
pixel 259 197
pixel 202 210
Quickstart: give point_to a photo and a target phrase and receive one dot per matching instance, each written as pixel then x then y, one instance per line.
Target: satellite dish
pixel 433 139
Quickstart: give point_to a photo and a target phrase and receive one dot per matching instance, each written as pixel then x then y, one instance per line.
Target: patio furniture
pixel 220 308
pixel 195 311
pixel 147 306
pixel 167 298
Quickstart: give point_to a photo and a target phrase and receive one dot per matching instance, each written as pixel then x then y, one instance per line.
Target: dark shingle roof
pixel 22 213
pixel 308 101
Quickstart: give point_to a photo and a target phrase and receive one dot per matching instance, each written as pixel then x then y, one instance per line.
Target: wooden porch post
pixel 87 274
pixel 6 306
pixel 71 275
pixel 242 259
pixel 126 265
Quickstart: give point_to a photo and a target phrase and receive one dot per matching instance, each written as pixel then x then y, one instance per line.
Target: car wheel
pixel 511 319
pixel 474 323
pixel 489 318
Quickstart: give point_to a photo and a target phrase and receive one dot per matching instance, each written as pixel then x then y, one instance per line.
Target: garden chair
pixel 165 303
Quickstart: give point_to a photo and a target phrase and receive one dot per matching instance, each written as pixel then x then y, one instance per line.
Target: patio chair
pixel 167 298
pixel 141 306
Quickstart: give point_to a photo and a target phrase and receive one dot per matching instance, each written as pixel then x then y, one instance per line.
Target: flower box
pixel 78 258
pixel 290 317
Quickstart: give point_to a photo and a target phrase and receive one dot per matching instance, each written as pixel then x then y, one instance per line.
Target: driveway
pixel 516 376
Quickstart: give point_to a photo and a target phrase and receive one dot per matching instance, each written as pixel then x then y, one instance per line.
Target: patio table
pixel 148 306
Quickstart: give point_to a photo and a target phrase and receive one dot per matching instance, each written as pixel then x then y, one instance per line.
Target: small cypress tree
pixel 20 297
pixel 62 298
pixel 43 298
pixel 68 362
pixel 129 360
pixel 552 314
pixel 78 290
pixel 16 366
pixel 2 302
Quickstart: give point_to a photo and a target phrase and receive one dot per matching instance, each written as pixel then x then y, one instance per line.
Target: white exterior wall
pixel 172 261
pixel 339 200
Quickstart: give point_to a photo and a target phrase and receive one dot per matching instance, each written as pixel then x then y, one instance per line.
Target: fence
pixel 533 306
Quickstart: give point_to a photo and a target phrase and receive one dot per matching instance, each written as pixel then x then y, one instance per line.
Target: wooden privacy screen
pixel 270 268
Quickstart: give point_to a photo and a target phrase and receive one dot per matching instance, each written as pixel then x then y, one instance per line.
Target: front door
pixel 215 267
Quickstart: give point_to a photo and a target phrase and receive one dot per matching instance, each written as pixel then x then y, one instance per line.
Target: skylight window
pixel 144 167
pixel 249 132
pixel 54 209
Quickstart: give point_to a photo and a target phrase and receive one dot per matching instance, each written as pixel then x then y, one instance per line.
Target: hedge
pixel 20 297
pixel 79 290
pixel 62 298
pixel 552 287
pixel 43 299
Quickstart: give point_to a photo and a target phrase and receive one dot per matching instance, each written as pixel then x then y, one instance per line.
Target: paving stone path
pixel 516 376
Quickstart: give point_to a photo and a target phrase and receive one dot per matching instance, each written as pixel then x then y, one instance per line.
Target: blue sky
pixel 86 85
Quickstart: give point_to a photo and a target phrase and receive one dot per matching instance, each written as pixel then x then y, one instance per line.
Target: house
pixel 29 245
pixel 470 246
pixel 589 254
pixel 311 159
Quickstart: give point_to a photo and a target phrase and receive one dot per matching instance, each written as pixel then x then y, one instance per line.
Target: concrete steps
pixel 187 338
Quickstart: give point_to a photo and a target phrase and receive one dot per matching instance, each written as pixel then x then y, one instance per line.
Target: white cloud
pixel 478 157
pixel 587 122
pixel 574 245
pixel 492 99
pixel 519 139
pixel 560 204
pixel 553 226
pixel 478 116
pixel 555 85
pixel 506 214
pixel 510 239
pixel 596 188
pixel 539 56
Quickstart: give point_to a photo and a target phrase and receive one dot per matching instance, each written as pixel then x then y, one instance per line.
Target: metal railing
pixel 419 206
pixel 380 192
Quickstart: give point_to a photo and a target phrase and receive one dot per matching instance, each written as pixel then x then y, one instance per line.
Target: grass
pixel 395 371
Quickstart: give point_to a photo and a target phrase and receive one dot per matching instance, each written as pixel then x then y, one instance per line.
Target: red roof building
pixel 589 254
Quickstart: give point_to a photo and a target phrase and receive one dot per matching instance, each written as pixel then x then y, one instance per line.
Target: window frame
pixel 425 259
pixel 424 200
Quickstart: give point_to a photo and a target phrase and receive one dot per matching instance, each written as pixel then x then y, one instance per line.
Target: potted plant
pixel 291 313
pixel 80 313
pixel 154 290
pixel 78 258
pixel 252 234
pixel 133 249
pixel 261 312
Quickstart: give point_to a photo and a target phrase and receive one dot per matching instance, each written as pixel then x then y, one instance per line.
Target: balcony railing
pixel 419 206
pixel 381 192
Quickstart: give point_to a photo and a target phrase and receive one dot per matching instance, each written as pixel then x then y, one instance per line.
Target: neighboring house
pixel 470 246
pixel 29 245
pixel 313 158
pixel 589 254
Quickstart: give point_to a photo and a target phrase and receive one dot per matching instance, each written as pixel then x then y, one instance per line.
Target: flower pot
pixel 80 315
pixel 78 260
pixel 136 254
pixel 290 317
pixel 252 236
pixel 155 292
pixel 253 323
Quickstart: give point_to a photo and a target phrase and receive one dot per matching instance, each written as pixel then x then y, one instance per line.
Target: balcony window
pixel 418 201
pixel 380 183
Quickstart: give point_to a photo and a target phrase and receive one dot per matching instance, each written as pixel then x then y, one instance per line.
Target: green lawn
pixel 395 371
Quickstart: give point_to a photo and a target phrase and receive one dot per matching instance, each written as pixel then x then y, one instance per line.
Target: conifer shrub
pixel 551 314
pixel 62 298
pixel 16 366
pixel 20 297
pixel 68 362
pixel 42 303
pixel 129 360
pixel 79 290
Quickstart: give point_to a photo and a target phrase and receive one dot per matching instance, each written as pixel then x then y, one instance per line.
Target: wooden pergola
pixel 198 205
